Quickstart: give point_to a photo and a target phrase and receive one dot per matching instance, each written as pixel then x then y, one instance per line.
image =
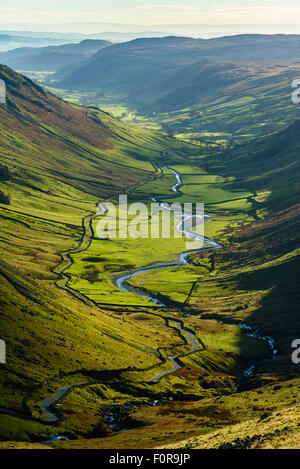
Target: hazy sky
pixel 148 12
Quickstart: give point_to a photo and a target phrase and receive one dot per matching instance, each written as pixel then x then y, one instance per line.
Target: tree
pixel 169 130
pixel 4 173
pixel 4 198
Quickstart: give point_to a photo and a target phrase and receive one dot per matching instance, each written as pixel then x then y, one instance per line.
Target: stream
pixel 121 282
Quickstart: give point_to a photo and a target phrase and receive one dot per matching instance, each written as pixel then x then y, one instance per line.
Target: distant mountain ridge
pixel 10 41
pixel 52 58
pixel 164 71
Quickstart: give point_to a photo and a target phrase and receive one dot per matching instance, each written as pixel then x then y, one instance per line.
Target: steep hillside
pixel 82 146
pixel 197 84
pixel 257 105
pixel 271 164
pixel 57 162
pixel 254 280
pixel 261 263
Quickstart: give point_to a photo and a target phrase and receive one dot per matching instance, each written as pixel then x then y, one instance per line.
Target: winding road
pixel 122 283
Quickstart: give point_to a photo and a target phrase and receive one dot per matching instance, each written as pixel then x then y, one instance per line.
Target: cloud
pixel 277 10
pixel 222 14
pixel 255 7
pixel 158 13
pixel 170 7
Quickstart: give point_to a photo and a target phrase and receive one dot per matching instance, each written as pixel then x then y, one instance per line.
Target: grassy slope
pixel 270 413
pixel 251 108
pixel 261 263
pixel 257 105
pixel 239 104
pixel 190 88
pixel 62 161
pixel 151 62
pixel 255 279
pixel 234 290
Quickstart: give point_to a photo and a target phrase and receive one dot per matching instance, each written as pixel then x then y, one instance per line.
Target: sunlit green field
pixel 93 271
pixel 108 343
pixel 260 109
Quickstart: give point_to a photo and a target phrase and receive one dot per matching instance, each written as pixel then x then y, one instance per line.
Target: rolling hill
pixel 57 162
pixel 11 39
pixel 207 81
pixel 51 58
pixel 270 163
pixel 235 87
pixel 232 87
pixel 257 105
pixel 145 63
pixel 55 131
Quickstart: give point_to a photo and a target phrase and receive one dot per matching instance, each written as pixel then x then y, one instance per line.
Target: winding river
pixel 122 282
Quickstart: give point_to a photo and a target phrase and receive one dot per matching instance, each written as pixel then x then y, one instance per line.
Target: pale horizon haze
pixel 149 13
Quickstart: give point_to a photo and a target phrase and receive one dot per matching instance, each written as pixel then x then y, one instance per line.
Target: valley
pixel 143 342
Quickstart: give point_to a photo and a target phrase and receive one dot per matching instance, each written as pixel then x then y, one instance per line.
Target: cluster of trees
pixel 170 131
pixel 4 176
pixel 4 198
pixel 4 173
